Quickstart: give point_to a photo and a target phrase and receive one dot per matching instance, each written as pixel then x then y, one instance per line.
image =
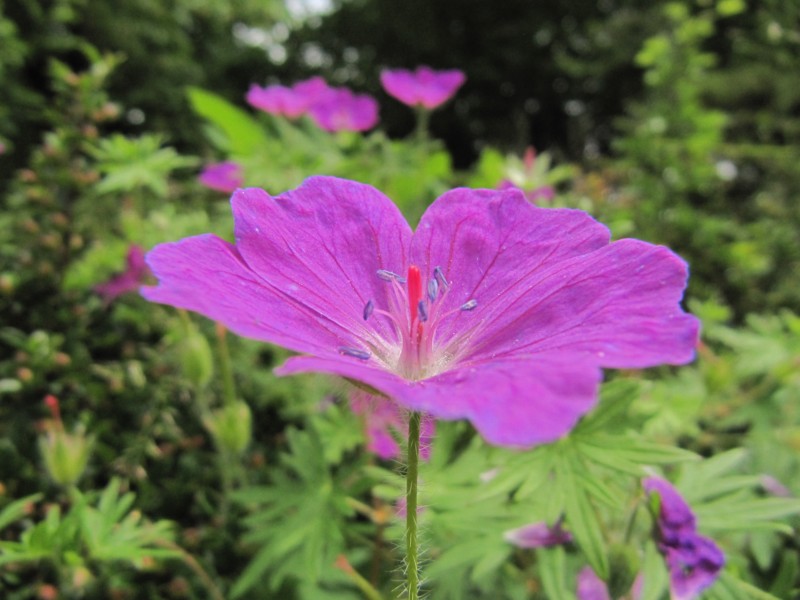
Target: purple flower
pixel 342 110
pixel 223 177
pixel 538 535
pixel 129 280
pixel 495 310
pixel 291 102
pixel 423 87
pixel 534 195
pixel 590 586
pixel 694 561
pixel 774 487
pixel 382 415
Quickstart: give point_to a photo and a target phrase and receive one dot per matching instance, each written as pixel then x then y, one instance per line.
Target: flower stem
pixel 228 386
pixel 412 562
pixel 423 118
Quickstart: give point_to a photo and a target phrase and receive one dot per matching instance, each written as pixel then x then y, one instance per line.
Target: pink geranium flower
pixel 342 110
pixel 129 280
pixel 423 87
pixel 291 102
pixel 223 177
pixel 694 561
pixel 494 310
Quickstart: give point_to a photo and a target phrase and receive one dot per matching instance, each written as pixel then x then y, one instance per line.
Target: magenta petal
pixel 321 245
pixel 547 280
pixel 207 275
pixel 512 402
pixel 489 242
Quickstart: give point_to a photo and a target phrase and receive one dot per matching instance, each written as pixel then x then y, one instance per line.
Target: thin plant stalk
pixel 412 558
pixel 228 386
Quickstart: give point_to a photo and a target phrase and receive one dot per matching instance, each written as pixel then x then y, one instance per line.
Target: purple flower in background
pixel 129 280
pixel 494 310
pixel 342 110
pixel 694 561
pixel 545 192
pixel 538 535
pixel 382 415
pixel 423 87
pixel 291 102
pixel 590 586
pixel 223 177
pixel 530 177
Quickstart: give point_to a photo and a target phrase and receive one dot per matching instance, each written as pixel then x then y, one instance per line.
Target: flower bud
pixel 230 427
pixel 196 358
pixel 65 454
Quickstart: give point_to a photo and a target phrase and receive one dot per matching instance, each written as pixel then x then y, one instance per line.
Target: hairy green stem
pixel 412 560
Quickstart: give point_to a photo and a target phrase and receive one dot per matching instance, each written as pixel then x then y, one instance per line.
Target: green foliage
pixel 299 520
pixel 89 535
pixel 133 164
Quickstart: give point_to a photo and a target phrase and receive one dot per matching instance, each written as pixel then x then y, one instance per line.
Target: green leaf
pixel 17 509
pixel 243 134
pixel 580 514
pixel 553 573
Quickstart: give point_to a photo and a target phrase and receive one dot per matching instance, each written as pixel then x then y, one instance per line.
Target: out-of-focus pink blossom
pixel 530 177
pixel 694 560
pixel 534 196
pixel 224 177
pixel 538 535
pixel 423 87
pixel 129 280
pixel 341 110
pixel 291 102
pixel 381 416
pixel 591 587
pixel 772 486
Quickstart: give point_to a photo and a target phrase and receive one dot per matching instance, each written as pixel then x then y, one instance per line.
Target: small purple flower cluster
pixel 694 561
pixel 340 109
pixel 331 108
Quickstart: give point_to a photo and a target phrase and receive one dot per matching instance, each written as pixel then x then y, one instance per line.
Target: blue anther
pixel 469 304
pixel 354 352
pixel 368 308
pixel 433 289
pixel 439 276
pixel 423 312
pixel 390 276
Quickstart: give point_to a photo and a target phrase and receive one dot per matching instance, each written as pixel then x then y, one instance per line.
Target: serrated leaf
pixel 615 399
pixel 17 509
pixel 580 514
pixel 553 573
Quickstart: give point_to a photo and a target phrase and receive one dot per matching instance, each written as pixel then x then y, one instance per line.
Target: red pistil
pixel 414 297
